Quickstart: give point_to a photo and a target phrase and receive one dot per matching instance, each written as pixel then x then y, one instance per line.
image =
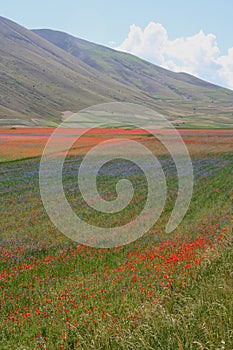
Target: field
pixel 162 291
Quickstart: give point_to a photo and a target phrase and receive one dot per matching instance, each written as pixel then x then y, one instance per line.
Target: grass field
pixel 163 291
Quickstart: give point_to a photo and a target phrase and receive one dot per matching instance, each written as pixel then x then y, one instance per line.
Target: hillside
pixel 46 72
pixel 175 94
pixel 39 80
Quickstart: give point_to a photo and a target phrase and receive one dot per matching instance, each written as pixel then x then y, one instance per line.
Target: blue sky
pixel 109 23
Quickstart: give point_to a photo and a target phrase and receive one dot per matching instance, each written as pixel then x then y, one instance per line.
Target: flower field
pixel 164 291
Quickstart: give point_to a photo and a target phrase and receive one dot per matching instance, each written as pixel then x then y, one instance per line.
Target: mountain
pixel 39 80
pixel 45 73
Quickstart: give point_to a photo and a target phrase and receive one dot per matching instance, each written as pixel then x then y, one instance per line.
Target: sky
pixel 191 36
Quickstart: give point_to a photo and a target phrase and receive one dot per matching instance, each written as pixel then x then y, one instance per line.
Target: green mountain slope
pixel 176 94
pixel 40 81
pixel 46 72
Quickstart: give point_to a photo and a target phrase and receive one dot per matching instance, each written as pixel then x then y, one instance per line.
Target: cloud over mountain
pixel 198 54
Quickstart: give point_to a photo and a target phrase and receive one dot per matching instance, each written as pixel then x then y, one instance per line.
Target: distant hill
pixel 46 72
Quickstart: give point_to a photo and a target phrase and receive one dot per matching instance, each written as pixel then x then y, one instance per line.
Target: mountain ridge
pixel 46 72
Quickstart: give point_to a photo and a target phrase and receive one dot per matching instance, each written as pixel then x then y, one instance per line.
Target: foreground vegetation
pixel 163 291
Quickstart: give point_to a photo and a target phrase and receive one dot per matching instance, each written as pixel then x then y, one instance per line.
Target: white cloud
pixel 148 44
pixel 198 54
pixel 226 70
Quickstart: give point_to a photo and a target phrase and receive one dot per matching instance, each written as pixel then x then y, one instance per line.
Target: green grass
pixel 163 291
pixel 200 317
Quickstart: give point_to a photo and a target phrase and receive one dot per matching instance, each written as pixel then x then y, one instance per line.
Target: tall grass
pixel 161 292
